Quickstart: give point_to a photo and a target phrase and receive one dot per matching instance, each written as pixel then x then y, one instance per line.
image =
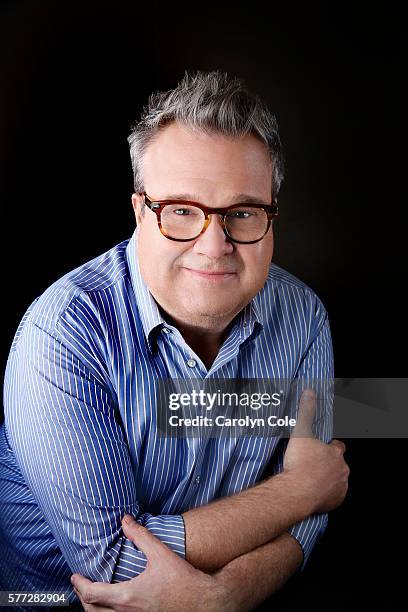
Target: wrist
pixel 300 491
pixel 227 594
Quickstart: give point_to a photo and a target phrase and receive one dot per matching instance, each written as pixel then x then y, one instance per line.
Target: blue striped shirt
pixel 79 446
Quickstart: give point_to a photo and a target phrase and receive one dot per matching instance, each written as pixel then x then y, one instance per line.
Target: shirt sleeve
pixel 69 441
pixel 315 371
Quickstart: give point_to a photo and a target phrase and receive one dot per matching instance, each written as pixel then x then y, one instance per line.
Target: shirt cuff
pixel 307 533
pixel 168 528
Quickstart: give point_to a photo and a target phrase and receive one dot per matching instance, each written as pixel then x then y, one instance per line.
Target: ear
pixel 137 200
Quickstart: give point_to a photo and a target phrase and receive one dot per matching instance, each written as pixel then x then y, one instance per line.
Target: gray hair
pixel 210 102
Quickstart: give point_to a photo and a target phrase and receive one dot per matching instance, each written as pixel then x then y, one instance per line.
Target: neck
pixel 206 346
pixel 206 343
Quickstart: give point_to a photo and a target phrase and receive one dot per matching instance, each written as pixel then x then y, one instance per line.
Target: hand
pixel 319 468
pixel 169 583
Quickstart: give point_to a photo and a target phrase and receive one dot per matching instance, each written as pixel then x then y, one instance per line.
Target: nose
pixel 213 242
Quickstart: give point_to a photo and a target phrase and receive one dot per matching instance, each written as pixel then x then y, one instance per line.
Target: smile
pixel 212 276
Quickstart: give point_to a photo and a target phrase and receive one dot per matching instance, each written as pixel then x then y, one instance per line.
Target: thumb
pixel 306 415
pixel 148 543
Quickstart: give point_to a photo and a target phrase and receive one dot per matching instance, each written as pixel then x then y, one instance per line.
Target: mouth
pixel 215 276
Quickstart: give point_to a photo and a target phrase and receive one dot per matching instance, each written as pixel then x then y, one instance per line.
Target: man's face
pixel 212 170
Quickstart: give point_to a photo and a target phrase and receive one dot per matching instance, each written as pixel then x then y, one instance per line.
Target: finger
pixel 92 607
pixel 339 444
pixel 148 543
pixel 99 593
pixel 306 414
pixel 80 582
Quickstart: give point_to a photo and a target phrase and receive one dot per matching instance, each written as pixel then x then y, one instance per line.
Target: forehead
pixel 178 154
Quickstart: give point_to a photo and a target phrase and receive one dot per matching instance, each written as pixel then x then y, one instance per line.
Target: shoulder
pixel 285 292
pixel 92 277
pixel 280 276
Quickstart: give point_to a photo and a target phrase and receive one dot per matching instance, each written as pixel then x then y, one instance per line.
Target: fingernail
pixel 127 519
pixel 72 580
pixel 309 394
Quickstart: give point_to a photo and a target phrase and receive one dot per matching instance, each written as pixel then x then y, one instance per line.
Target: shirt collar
pixel 149 312
pixel 249 320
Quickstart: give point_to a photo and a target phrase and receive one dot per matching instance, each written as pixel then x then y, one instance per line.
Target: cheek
pixel 265 254
pixel 258 260
pixel 257 273
pixel 162 261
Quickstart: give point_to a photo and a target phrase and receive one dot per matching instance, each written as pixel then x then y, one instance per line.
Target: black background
pixel 73 75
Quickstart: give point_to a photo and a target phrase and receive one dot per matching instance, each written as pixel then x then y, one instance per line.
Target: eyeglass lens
pixel 245 223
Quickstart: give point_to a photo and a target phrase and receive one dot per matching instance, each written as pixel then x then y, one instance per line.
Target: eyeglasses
pixel 183 220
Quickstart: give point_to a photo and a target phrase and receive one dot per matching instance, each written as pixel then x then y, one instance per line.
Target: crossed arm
pixel 169 583
pixel 66 437
pixel 246 539
pixel 172 584
pixel 236 525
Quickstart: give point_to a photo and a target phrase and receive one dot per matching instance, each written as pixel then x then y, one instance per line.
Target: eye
pixel 240 214
pixel 189 211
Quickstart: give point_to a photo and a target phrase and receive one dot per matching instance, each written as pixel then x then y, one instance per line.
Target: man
pixel 192 294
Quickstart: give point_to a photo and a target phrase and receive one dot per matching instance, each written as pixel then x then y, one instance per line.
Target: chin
pixel 207 311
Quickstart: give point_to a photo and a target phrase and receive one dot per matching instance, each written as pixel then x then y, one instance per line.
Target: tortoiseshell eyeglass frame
pixel 157 207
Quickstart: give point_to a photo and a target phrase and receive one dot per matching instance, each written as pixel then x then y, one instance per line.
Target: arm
pixel 63 415
pixel 219 532
pixel 279 503
pixel 70 445
pixel 250 579
pixel 172 583
pixel 315 371
pixel 82 477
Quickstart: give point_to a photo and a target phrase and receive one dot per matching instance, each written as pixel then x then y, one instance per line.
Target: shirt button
pixel 197 480
pixel 191 363
pixel 165 330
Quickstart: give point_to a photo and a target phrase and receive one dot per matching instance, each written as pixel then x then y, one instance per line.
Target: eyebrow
pixel 239 198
